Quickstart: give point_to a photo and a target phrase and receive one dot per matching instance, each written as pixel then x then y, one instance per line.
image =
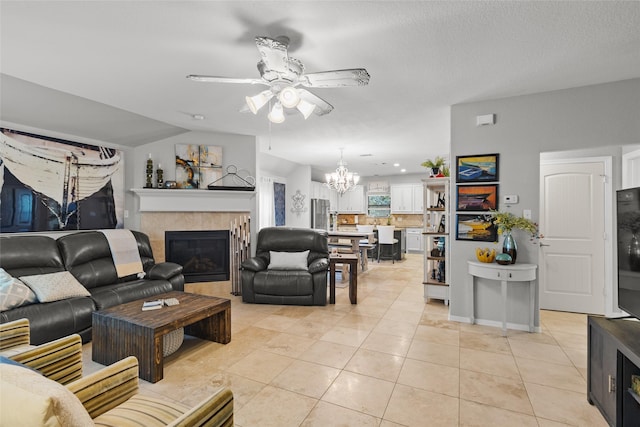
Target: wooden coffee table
pixel 126 330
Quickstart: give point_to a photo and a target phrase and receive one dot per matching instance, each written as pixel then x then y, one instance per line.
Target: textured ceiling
pixel 133 57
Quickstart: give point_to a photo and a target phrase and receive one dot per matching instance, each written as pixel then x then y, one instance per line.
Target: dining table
pixel 353 237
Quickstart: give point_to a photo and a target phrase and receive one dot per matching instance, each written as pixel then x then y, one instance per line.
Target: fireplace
pixel 203 254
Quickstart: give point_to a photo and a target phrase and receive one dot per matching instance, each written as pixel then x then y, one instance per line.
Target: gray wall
pixel 597 120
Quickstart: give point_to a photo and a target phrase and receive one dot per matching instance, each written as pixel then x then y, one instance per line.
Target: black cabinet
pixel 614 356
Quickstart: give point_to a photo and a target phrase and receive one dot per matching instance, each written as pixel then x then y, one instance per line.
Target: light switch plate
pixel 512 198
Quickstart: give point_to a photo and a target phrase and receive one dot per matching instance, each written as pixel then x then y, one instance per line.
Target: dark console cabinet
pixel 614 356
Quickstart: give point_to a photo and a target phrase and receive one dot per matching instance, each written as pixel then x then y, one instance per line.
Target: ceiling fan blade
pixel 336 78
pixel 322 106
pixel 273 53
pixel 217 79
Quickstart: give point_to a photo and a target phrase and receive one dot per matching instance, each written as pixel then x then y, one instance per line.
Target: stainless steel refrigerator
pixel 320 214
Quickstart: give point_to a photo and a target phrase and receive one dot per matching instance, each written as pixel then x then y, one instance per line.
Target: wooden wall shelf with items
pixel 436 235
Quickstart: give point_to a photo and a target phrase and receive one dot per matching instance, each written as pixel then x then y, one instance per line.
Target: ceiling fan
pixel 285 78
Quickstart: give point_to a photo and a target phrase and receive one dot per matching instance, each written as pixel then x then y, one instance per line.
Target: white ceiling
pixel 422 57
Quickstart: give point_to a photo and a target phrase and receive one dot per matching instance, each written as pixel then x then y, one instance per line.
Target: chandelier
pixel 342 180
pixel 287 97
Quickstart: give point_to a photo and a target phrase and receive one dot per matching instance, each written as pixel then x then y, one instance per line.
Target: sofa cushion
pixel 120 293
pixel 30 399
pixel 283 283
pixel 55 286
pixel 288 260
pixel 14 293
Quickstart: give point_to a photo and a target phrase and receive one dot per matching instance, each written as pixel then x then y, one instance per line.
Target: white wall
pixel 597 119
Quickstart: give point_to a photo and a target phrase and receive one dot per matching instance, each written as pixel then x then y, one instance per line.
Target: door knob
pixel 542 244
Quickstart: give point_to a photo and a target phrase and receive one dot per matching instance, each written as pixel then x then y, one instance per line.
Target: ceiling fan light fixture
pixel 258 101
pixel 289 97
pixel 306 108
pixel 277 113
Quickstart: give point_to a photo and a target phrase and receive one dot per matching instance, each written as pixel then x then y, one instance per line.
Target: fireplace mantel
pixel 183 200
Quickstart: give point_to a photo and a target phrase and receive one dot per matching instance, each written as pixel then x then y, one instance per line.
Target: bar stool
pixel 385 238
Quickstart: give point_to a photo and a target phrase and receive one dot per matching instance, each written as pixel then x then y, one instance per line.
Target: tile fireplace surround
pixel 186 210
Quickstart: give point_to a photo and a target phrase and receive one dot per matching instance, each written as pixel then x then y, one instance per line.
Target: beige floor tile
pixel 360 393
pixel 276 322
pixel 537 351
pixel 493 390
pixel 430 377
pixel 578 356
pixel 433 352
pixel 375 364
pixel 394 327
pixel 487 362
pixel 274 407
pixel 288 344
pixel 563 406
pixel 544 337
pixel 485 342
pixel 437 335
pixel 306 378
pixel 346 336
pixel 410 406
pixel 385 343
pixel 359 322
pixel 326 414
pixel 474 414
pixel 400 315
pixel 570 340
pixel 548 423
pixel 329 354
pixel 551 374
pixel 261 366
pixel 309 328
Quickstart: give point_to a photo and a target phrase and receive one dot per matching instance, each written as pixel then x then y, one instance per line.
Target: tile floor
pixel 390 360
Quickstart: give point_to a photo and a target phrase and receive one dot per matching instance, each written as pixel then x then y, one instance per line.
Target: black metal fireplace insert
pixel 203 254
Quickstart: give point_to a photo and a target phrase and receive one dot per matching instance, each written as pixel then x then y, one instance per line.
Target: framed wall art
pixel 197 165
pixel 477 228
pixel 51 184
pixel 478 198
pixel 477 168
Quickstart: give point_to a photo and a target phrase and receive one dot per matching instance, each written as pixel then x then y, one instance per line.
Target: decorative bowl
pixel 485 255
pixel 503 259
pixel 170 184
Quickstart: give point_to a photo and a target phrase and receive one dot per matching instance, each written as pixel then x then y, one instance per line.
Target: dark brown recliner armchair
pixel 283 272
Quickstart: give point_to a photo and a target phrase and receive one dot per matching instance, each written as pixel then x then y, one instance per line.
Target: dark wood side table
pixel 352 261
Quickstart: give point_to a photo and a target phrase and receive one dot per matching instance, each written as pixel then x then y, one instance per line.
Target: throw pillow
pixel 55 286
pixel 30 399
pixel 288 260
pixel 14 293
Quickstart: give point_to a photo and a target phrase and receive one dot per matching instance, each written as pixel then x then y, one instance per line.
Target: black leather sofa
pixel 303 286
pixel 88 257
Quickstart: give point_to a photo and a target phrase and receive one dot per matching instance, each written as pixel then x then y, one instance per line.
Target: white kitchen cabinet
pixel 402 198
pixel 352 201
pixel 407 198
pixel 436 230
pixel 414 240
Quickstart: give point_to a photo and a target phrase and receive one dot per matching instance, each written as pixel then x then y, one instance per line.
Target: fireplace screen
pixel 204 255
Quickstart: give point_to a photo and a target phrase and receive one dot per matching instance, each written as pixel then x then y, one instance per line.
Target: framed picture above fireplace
pixel 197 165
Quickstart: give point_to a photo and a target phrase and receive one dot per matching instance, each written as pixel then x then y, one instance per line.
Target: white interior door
pixel 572 220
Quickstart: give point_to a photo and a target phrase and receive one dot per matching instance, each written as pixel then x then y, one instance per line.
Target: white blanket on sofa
pixel 124 250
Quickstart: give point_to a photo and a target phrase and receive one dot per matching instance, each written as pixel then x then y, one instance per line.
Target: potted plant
pixel 434 165
pixel 506 222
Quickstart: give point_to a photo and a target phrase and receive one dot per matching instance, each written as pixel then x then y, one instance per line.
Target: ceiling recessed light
pixel 366 155
pixel 403 170
pixel 197 117
pixel 396 164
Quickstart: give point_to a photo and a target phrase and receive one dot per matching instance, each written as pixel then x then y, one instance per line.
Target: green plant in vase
pixel 435 165
pixel 506 222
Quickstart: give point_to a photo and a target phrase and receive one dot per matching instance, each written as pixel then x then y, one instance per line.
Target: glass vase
pixel 509 246
pixel 634 253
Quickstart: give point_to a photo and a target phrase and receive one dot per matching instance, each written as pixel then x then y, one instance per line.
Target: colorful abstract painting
pixel 197 166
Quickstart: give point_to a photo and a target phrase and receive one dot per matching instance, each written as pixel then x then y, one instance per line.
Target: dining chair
pixel 385 238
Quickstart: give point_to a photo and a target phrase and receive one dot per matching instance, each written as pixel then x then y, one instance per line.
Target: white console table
pixel 504 274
